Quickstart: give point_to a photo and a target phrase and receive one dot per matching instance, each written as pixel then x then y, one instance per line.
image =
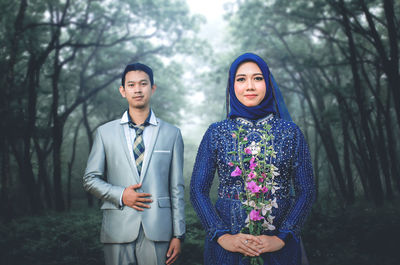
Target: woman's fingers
pixel 244 249
pixel 255 239
pixel 248 246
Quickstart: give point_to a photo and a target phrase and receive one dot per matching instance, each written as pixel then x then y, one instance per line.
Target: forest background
pixel 336 62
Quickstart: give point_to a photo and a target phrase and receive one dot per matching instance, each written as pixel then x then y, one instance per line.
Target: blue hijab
pixel 273 100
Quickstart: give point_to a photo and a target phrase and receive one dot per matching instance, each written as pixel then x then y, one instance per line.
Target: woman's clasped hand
pixel 250 245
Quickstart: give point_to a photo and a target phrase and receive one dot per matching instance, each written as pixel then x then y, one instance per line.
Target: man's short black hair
pixel 138 67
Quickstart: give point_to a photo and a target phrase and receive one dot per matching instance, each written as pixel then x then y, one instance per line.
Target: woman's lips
pixel 251 96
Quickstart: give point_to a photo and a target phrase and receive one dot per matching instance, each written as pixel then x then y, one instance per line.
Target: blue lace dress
pixel 294 198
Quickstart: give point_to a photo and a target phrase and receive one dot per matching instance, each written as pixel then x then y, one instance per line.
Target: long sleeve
pixel 177 187
pixel 93 181
pixel 202 177
pixel 304 186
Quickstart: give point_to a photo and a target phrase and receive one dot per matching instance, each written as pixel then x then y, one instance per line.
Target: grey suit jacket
pixel 110 170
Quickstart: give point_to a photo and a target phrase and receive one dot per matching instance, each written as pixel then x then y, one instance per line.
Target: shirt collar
pixel 151 119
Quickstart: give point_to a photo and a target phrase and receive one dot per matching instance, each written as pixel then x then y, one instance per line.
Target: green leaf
pixel 246 159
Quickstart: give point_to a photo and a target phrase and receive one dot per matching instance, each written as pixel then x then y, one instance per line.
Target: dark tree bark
pixel 373 176
pixel 43 178
pixel 71 164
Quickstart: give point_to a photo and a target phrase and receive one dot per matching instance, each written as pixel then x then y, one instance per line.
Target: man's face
pixel 137 90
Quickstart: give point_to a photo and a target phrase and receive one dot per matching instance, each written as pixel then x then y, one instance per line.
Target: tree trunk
pixel 373 171
pixel 71 163
pixel 43 174
pixel 5 204
pixel 58 126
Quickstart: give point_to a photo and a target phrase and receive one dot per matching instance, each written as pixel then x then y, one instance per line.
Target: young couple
pixel 136 162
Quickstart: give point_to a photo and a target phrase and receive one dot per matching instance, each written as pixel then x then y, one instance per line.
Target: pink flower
pixel 251 175
pixel 264 189
pixel 230 164
pixel 252 164
pixel 236 172
pixel 233 135
pixel 255 215
pixel 245 139
pixel 261 180
pixel 253 187
pixel 247 151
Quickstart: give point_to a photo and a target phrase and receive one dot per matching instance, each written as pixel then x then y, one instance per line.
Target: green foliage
pixel 360 235
pixel 68 238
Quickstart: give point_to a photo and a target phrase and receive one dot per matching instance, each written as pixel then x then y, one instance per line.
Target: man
pixel 135 168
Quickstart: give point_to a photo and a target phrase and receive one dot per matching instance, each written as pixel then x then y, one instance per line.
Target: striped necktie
pixel 138 146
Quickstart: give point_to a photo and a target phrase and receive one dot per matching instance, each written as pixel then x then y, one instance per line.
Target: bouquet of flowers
pixel 253 163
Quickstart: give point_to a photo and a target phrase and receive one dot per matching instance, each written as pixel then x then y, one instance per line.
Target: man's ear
pixel 153 89
pixel 122 91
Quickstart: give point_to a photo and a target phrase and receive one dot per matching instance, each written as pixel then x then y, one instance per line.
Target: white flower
pixel 270 218
pixel 254 148
pixel 274 171
pixel 274 204
pixel 268 225
pixel 266 208
pixel 247 221
pixel 274 188
pixel 251 203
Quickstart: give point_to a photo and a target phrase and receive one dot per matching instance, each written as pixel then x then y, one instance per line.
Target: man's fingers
pixel 172 254
pixel 137 208
pixel 140 199
pixel 139 204
pixel 170 250
pixel 135 186
pixel 144 194
pixel 171 260
pixel 169 254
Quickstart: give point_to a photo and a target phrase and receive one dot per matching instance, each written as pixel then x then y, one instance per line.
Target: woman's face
pixel 249 84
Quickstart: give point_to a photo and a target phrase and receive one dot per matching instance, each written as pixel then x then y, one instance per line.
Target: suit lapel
pixel 149 150
pixel 127 154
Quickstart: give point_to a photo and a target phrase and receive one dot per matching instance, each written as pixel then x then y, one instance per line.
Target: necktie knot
pixel 139 129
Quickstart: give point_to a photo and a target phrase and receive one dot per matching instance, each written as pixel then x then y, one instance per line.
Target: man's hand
pixel 135 200
pixel 174 250
pixel 270 243
pixel 246 244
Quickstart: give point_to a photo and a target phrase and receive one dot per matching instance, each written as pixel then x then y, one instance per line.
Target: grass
pixel 360 234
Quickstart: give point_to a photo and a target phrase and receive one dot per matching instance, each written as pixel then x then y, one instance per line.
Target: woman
pixel 254 102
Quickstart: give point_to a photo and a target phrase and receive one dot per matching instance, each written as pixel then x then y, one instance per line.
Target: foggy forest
pixel 335 61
